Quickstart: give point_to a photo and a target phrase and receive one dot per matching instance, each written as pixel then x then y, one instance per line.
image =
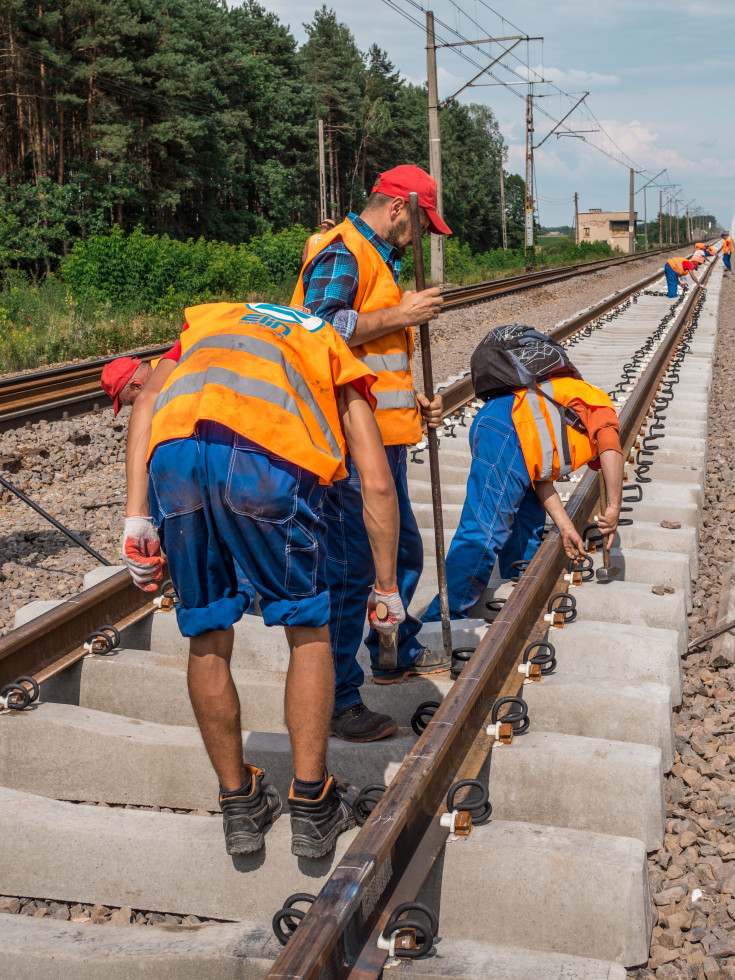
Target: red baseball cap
pixel 402 181
pixel 116 375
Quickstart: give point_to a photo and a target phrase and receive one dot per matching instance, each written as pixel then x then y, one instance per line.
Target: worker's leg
pixel 726 258
pixel 496 487
pixel 672 281
pixel 525 536
pixel 309 699
pixel 350 574
pixel 269 512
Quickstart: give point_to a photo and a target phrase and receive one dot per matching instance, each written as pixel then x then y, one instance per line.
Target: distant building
pixel 605 226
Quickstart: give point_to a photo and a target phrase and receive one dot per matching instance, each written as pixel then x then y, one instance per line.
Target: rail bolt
pixel 103 640
pixel 410 937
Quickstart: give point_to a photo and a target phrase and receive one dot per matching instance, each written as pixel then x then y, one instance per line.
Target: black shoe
pixel 244 817
pixel 427 662
pixel 316 824
pixel 360 724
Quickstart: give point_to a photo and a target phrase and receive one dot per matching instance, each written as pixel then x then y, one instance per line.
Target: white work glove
pixel 141 552
pixel 395 611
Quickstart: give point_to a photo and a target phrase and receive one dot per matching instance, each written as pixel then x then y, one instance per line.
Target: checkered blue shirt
pixel 331 279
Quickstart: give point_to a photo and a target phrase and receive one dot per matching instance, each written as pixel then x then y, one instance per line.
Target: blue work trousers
pixel 726 260
pixel 351 574
pixel 502 517
pixel 672 281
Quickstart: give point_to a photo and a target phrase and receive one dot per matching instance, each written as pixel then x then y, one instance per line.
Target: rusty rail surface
pixel 58 393
pixel 391 856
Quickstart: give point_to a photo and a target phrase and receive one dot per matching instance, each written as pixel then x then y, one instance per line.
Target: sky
pixel 659 73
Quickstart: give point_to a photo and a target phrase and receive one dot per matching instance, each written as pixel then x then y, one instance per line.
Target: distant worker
pixel 521 442
pixel 697 257
pixel 726 250
pixel 701 247
pixel 312 240
pixel 677 268
pixel 352 281
pixel 239 444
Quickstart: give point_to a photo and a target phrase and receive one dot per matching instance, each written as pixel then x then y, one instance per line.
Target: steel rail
pixel 330 942
pixel 73 389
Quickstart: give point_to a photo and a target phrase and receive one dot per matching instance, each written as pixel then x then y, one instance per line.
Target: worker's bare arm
pixel 380 503
pixel 551 502
pixel 611 463
pixel 413 309
pixel 139 437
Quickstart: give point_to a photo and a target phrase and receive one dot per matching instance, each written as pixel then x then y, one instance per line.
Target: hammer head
pixel 608 574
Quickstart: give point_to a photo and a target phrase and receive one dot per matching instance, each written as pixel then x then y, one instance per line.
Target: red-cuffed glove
pixel 394 606
pixel 141 552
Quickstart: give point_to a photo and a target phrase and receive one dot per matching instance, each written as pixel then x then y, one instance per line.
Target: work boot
pixel 360 724
pixel 244 817
pixel 316 824
pixel 427 662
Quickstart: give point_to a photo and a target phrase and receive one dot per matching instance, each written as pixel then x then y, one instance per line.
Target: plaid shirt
pixel 331 279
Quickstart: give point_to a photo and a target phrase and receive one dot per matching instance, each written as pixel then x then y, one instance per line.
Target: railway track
pixel 74 389
pixel 557 881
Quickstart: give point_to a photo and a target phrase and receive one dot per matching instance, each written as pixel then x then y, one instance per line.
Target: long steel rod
pixel 72 535
pixel 328 943
pixel 431 436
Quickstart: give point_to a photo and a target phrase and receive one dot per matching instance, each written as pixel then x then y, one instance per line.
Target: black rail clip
pixel 366 801
pixel 423 715
pixel 514 722
pixel 104 640
pixel 410 938
pixel 15 696
pixel 472 811
pixel 286 920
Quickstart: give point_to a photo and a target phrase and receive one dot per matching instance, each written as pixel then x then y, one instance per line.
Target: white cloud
pixel 571 78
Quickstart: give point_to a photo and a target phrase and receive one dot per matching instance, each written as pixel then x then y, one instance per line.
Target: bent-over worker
pixel 228 461
pixel 516 455
pixel 675 269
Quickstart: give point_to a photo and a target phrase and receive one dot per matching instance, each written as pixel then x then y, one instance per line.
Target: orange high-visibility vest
pixel 700 245
pixel 388 356
pixel 268 373
pixel 727 246
pixel 677 264
pixel 551 448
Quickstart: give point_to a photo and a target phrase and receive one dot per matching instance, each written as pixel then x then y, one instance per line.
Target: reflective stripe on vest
pixel 387 362
pixel 559 425
pixel 547 446
pixel 388 400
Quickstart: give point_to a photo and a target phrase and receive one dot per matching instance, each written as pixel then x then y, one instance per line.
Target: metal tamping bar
pixel 52 520
pixel 433 442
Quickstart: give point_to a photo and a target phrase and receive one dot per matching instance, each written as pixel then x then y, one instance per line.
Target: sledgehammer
pixel 436 493
pixel 388 645
pixel 608 572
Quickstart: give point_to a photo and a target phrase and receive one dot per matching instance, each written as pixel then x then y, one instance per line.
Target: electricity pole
pixel 576 218
pixel 645 221
pixel 322 174
pixel 528 240
pixel 502 207
pixel 660 219
pixel 631 215
pixel 435 150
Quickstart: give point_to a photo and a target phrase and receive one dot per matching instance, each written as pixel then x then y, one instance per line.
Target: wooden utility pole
pixel 528 245
pixel 677 222
pixel 502 207
pixel 645 220
pixel 576 218
pixel 631 215
pixel 322 174
pixel 435 150
pixel 660 219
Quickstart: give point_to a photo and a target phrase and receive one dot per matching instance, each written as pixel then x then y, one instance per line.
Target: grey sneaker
pixel 316 824
pixel 244 817
pixel 427 662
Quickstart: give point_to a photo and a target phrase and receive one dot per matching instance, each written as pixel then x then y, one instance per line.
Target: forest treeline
pixel 192 119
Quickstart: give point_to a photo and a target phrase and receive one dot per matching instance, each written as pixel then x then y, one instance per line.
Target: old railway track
pixel 535 880
pixel 74 389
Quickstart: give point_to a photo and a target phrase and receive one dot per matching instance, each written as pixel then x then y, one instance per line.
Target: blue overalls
pixel 672 281
pixel 502 517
